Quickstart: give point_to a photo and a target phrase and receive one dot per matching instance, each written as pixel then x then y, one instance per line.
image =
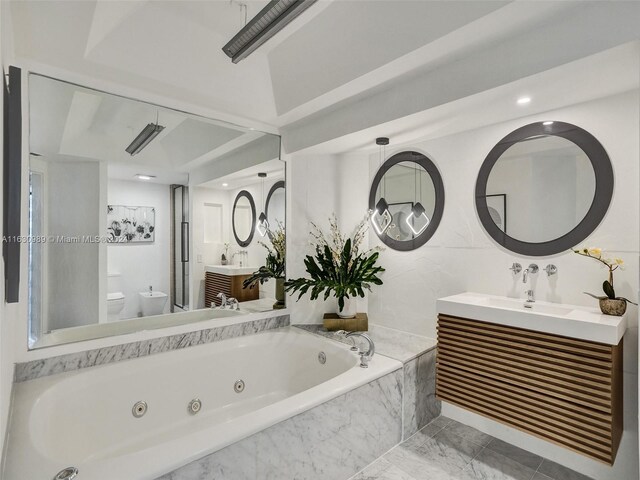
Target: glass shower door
pixel 180 250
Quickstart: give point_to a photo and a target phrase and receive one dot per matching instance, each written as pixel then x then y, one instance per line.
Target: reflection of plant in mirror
pixel 225 255
pixel 612 265
pixel 274 263
pixel 339 266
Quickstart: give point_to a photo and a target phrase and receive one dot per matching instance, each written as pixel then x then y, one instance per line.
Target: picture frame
pixel 131 224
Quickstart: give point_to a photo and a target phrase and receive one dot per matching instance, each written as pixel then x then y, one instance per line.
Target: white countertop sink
pixel 572 321
pixel 230 270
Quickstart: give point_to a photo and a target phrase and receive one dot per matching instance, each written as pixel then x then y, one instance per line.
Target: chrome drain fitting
pixel 195 406
pixel 68 473
pixel 139 409
pixel 322 358
pixel 239 386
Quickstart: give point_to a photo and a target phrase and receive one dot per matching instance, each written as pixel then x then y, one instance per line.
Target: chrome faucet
pixel 242 254
pixel 533 268
pixel 365 357
pixel 223 301
pixel 233 303
pixel 530 297
pixel 344 333
pixel 228 302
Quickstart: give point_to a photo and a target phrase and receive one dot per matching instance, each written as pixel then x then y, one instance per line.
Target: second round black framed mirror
pixel 544 188
pixel 243 218
pixel 406 201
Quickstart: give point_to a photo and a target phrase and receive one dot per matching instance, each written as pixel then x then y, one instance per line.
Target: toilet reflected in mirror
pixel 115 297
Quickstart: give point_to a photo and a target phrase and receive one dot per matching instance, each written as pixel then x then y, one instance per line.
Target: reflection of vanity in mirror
pixel 230 208
pixel 134 200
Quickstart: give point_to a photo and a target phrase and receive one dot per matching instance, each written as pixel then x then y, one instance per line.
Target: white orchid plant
pixel 612 264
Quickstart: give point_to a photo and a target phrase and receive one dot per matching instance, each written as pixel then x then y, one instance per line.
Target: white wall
pixel 206 253
pixel 6 351
pixel 317 187
pixel 461 257
pixel 142 264
pixel 73 269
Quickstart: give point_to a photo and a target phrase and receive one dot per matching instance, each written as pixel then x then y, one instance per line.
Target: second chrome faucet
pixel 532 268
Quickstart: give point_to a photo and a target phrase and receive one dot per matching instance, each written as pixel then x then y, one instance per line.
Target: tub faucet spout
pixel 344 333
pixel 365 357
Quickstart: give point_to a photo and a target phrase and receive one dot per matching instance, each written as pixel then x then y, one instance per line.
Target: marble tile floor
pixel 447 450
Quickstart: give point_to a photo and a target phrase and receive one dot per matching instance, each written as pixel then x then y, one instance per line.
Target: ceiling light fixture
pixel 381 217
pixel 263 224
pixel 144 176
pixel 524 100
pixel 225 184
pixel 269 21
pixel 147 134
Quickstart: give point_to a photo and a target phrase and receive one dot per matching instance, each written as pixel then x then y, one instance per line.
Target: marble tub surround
pixel 331 441
pixel 397 344
pixel 101 356
pixel 245 386
pixel 418 356
pixel 448 450
pixel 419 396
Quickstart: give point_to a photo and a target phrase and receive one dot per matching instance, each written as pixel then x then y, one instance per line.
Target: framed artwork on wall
pixel 131 224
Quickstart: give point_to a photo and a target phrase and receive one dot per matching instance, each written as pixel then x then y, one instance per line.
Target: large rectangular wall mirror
pixel 131 209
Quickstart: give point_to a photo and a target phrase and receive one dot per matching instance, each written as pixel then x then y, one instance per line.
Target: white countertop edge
pixel 583 323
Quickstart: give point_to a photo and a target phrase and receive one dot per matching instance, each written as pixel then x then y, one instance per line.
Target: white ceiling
pixel 604 74
pixel 72 122
pixel 332 56
pixel 249 176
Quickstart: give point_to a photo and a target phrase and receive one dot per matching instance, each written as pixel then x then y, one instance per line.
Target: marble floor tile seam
pixel 437 426
pixel 381 474
pixel 486 447
pixel 355 475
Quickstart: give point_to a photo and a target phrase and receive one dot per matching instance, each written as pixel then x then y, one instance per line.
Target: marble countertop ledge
pixel 396 344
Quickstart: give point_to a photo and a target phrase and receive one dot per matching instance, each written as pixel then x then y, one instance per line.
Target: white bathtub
pixel 84 418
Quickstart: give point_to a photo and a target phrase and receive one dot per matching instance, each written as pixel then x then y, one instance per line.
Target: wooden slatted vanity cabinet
pixel 564 390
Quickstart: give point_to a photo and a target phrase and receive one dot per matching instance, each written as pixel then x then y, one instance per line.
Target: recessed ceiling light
pixel 547 123
pixel 141 176
pixel 225 184
pixel 524 100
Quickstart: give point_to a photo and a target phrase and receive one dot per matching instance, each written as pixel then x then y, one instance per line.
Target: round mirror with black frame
pixel 275 205
pixel 243 218
pixel 544 188
pixel 406 200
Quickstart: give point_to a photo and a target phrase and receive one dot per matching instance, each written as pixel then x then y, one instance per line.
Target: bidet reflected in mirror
pixel 408 186
pixel 130 205
pixel 544 188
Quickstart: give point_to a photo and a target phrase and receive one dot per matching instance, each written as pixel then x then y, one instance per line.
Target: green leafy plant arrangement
pixel 339 266
pixel 612 265
pixel 275 261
